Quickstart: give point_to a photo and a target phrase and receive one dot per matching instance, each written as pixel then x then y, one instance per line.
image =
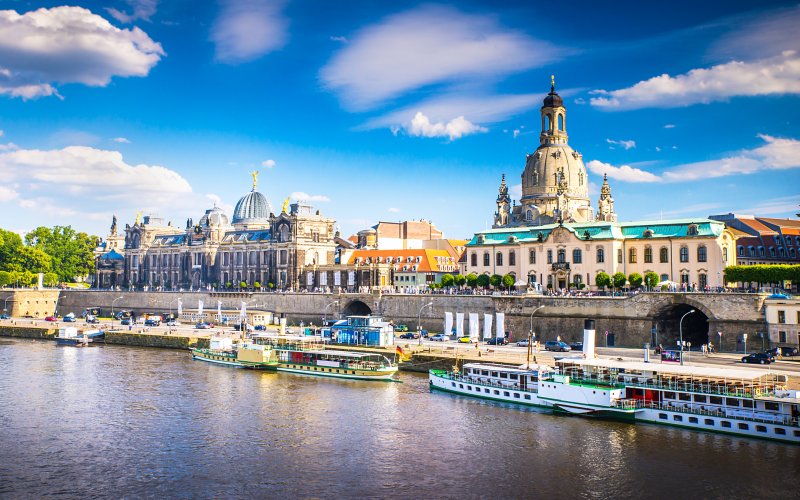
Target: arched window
pixel 648 255
pixel 560 122
pixel 684 254
pixel 284 233
pixel 577 257
pixel 792 252
pixel 529 215
pixel 760 251
pixel 547 123
pixel 692 230
pixel 782 252
pixel 772 251
pixel 486 259
pixel 740 250
pixel 498 260
pixel 252 258
pixel 663 255
pixel 725 254
pixel 601 255
pixel 532 257
pixel 702 253
pixel 512 258
pixel 562 256
pixel 632 256
pixel 474 259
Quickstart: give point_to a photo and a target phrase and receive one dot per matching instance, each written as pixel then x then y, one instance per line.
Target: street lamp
pixel 530 336
pixel 680 328
pixel 112 310
pixel 419 320
pixel 325 311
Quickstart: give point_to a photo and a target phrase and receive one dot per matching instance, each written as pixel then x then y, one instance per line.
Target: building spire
pixel 552 83
pixel 254 173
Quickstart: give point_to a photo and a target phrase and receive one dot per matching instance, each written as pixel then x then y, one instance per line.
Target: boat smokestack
pixel 588 338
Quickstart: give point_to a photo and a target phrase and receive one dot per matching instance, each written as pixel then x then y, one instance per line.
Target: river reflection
pixel 117 421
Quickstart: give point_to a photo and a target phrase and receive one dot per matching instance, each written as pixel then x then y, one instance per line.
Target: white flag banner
pixel 459 325
pixel 448 323
pixel 487 326
pixel 180 308
pixel 337 279
pixel 309 279
pixel 351 277
pixel 474 327
pixel 323 279
pixel 219 310
pixel 243 313
pixel 501 325
pixel 200 308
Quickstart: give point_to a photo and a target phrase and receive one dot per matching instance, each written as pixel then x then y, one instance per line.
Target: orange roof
pixel 757 226
pixel 425 260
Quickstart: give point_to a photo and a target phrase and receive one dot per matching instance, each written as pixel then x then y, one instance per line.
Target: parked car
pixel 440 337
pixel 401 328
pixel 497 341
pixel 126 321
pixel 92 319
pixel 523 343
pixel 69 318
pixel 576 346
pixel 203 326
pixel 464 339
pixel 788 350
pixel 410 335
pixel 152 322
pixel 260 327
pixel 757 357
pixel 5 316
pixel 51 318
pixel 424 333
pixel 555 345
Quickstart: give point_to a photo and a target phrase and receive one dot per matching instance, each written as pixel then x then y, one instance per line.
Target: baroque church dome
pixel 253 208
pixel 214 217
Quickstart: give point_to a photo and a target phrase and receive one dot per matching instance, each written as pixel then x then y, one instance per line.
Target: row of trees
pixel 60 252
pixel 618 280
pixel 473 280
pixel 762 274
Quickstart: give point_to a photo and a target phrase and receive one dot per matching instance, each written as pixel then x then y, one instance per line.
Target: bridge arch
pixel 666 320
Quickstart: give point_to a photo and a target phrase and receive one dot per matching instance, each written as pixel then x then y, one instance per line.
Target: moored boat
pixel 69 335
pixel 497 382
pixel 307 355
pixel 244 354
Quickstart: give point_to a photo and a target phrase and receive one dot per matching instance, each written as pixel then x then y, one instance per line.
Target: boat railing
pixel 345 365
pixel 479 381
pixel 650 383
pixel 632 404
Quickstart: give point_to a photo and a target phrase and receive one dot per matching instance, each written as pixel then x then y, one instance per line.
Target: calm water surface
pixel 130 422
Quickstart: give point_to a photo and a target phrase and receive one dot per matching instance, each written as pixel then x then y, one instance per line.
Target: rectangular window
pixel 684 397
pixel 662 416
pixel 761 428
pixel 731 402
pixel 699 399
pixel 780 431
pixel 677 418
pixel 744 427
pixel 516 395
pixel 693 420
pixel 619 256
pixel 725 423
pixel 782 337
pixel 549 256
pixel 709 421
pixel 715 400
pixel 532 257
pixel 747 403
pixel 781 316
pixel 669 395
pixel 512 258
pixel 771 406
pixel 505 393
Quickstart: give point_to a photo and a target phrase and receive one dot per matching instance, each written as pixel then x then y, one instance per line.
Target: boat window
pixel 669 395
pixel 747 403
pixel 771 406
pixel 684 397
pixel 513 376
pixel 725 423
pixel 709 421
pixel 715 400
pixel 469 387
pixel 692 420
pixel 460 386
pixel 487 391
pixel 797 434
pixel 744 427
pixel 494 374
pixel 677 418
pixel 781 431
pixel 485 372
pixel 731 402
pixel 662 416
pixel 761 428
pixel 503 375
pixel 527 396
pixel 497 393
pixel 505 393
pixel 453 384
pixel 699 399
pixel 516 395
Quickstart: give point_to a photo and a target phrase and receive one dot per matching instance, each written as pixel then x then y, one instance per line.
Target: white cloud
pixel 622 143
pixel 301 196
pixel 771 76
pixel 68 45
pixel 121 140
pixel 669 125
pixel 777 154
pixel 142 9
pixel 217 201
pixel 342 39
pixel 421 126
pixel 268 163
pixel 425 46
pixel 515 191
pixel 658 149
pixel 247 29
pixel 624 173
pixel 580 100
pixel 8 146
pixel 787 205
pixel 516 133
pixel 7 194
pixel 761 36
pixel 393 210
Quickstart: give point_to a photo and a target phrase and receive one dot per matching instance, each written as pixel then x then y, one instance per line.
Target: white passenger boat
pixel 497 382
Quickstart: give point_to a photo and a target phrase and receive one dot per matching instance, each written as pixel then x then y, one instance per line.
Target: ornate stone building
pixel 255 246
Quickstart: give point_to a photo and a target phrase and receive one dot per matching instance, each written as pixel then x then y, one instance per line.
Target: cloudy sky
pixel 390 110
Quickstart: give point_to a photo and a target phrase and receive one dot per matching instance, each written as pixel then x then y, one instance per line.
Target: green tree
pixel 50 279
pixel 619 280
pixel 243 285
pixel 509 280
pixel 257 285
pixel 762 274
pixel 71 252
pixel 495 280
pixel 5 278
pixel 472 280
pixel 635 279
pixel 447 280
pixel 483 280
pixel 651 279
pixel 459 279
pixel 602 280
pixel 10 245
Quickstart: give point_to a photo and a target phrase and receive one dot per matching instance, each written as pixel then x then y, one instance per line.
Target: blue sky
pixel 390 111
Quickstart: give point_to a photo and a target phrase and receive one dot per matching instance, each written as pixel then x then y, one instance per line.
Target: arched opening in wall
pixel 357 308
pixel 695 326
pixel 560 122
pixel 547 123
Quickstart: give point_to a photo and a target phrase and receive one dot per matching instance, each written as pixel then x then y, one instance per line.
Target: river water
pixel 110 421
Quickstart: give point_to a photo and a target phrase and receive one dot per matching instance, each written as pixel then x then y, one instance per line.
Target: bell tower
pixel 503 215
pixel 605 205
pixel 554 118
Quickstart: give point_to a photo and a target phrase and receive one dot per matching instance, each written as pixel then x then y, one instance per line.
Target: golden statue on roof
pixel 285 208
pixel 254 173
pixel 138 218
